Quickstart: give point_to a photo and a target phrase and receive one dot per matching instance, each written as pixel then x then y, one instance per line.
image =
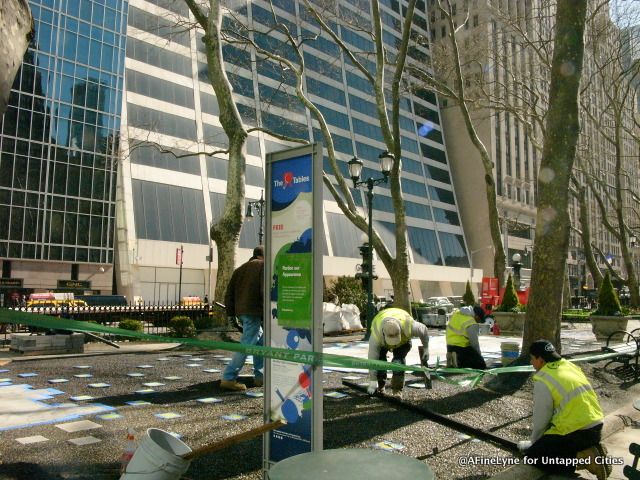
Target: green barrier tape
pixel 310 358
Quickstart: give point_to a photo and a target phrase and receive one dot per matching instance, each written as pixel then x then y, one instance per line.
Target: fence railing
pixel 155 319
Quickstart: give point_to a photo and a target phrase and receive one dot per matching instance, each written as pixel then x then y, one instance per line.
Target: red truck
pixel 491 295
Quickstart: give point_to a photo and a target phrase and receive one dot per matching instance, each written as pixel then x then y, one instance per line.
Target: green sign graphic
pixel 294 289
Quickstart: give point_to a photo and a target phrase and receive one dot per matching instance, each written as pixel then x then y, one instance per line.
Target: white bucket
pixel 510 352
pixel 158 457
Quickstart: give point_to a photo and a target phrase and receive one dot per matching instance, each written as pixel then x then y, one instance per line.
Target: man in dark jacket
pixel 244 299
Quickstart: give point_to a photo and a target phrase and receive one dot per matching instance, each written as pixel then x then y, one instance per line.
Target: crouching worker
pixel 462 338
pixel 567 418
pixel 391 331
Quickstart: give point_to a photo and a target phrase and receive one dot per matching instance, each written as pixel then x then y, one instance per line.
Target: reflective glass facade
pixel 266 97
pixel 59 136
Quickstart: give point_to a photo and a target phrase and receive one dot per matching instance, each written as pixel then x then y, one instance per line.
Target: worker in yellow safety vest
pixel 567 418
pixel 462 337
pixel 391 331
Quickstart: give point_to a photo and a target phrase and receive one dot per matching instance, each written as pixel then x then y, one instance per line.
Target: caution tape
pixel 472 378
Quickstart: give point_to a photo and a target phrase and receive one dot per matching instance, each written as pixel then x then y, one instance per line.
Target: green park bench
pixel 627 353
pixel 631 471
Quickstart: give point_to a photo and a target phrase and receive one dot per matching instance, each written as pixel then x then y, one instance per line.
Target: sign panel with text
pixel 293 316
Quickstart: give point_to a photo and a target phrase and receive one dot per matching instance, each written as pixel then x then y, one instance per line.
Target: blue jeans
pixel 251 335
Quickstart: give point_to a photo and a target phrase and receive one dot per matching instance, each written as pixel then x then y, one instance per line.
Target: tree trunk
pixel 16 28
pixel 585 236
pixel 499 261
pixel 561 136
pixel 226 231
pixel 623 237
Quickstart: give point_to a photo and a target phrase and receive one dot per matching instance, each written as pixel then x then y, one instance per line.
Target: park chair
pixel 631 471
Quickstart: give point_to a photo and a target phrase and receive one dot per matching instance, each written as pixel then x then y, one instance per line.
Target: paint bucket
pixel 158 457
pixel 510 352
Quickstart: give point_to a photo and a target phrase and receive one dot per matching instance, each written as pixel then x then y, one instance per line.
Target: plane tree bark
pixel 560 139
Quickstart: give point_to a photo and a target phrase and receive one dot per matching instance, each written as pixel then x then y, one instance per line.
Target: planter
pixel 603 326
pixel 510 323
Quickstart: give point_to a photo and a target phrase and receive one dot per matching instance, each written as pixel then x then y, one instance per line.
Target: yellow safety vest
pixel 575 404
pixel 457 329
pixel 405 326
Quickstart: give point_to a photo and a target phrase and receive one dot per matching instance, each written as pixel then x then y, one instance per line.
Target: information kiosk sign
pixel 293 313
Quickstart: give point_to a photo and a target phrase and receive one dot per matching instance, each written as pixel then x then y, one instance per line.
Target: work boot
pixel 590 464
pixel 258 381
pixel 396 394
pixel 397 382
pixel 232 386
pixel 604 453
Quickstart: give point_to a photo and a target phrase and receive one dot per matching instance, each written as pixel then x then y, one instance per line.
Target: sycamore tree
pixel 511 74
pixel 559 151
pixel 457 75
pixel 383 69
pixel 608 160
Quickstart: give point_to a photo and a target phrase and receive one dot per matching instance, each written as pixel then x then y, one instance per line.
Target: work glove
pixel 425 359
pixel 371 389
pixel 428 384
pixel 523 445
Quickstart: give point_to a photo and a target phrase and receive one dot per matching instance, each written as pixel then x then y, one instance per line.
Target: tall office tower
pixel 169 199
pixel 58 143
pixel 509 79
pixel 631 42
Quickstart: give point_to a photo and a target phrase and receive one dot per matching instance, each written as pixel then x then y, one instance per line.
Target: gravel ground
pixel 353 421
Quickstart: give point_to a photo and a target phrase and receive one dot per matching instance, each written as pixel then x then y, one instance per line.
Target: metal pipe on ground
pixel 444 420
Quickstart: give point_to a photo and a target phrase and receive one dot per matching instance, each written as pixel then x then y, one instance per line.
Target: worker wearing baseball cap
pixel 391 331
pixel 567 417
pixel 462 338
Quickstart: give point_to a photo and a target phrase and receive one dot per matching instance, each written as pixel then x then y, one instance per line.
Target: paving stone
pixel 84 441
pixel 78 426
pixel 33 439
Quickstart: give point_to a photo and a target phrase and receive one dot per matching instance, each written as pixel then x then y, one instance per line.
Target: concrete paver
pixel 580 338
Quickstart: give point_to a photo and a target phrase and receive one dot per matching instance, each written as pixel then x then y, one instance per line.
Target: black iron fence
pixel 155 319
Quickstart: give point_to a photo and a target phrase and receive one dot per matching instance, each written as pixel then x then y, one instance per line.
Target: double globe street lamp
pixel 355 171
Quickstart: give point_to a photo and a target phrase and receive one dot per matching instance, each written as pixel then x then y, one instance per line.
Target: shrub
pixel 510 302
pixel 130 324
pixel 182 327
pixel 348 290
pixel 468 298
pixel 203 322
pixel 159 321
pixel 608 302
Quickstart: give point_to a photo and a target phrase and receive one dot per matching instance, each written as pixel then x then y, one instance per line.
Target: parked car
pixel 440 303
pixel 435 311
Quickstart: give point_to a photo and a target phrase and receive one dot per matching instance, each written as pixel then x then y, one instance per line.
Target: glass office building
pixel 169 199
pixel 58 150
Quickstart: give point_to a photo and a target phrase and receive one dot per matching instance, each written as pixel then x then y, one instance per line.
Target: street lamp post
pixel 258 205
pixel 516 265
pixel 355 170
